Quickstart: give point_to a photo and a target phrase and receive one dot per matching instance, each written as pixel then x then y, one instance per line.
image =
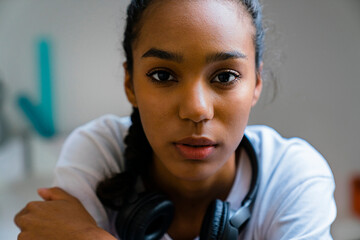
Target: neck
pixel 199 191
pixel 192 197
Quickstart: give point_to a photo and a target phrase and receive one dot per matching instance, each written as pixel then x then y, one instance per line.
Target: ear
pixel 129 86
pixel 258 86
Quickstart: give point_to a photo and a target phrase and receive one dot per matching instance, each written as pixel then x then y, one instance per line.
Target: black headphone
pixel 148 216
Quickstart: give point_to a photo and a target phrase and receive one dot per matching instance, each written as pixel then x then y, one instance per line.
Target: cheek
pixel 155 114
pixel 233 112
pixel 235 106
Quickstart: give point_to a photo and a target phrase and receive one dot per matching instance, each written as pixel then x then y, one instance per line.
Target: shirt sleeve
pixel 306 212
pixel 299 195
pixel 89 155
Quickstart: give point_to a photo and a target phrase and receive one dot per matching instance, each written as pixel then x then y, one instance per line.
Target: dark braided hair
pixel 114 191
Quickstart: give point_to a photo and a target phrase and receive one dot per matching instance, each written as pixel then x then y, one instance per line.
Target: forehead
pixel 175 24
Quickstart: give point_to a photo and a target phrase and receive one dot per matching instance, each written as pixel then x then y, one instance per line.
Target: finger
pixel 54 193
pixel 44 193
pixel 23 213
pixel 18 216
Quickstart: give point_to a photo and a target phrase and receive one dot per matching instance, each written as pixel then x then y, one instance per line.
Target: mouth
pixel 195 148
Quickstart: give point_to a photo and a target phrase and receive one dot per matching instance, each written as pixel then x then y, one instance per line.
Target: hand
pixel 61 216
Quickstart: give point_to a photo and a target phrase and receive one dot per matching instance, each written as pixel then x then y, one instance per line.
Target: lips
pixel 195 148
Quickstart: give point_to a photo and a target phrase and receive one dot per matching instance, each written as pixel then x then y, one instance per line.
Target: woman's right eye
pixel 161 76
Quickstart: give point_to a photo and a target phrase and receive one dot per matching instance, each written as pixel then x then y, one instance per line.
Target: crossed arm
pixel 60 216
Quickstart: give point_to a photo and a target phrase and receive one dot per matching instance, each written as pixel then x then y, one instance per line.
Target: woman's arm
pixel 59 216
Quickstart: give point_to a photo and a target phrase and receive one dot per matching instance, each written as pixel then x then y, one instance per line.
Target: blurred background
pixel 61 66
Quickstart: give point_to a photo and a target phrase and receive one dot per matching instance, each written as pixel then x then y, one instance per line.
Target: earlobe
pixel 258 86
pixel 129 86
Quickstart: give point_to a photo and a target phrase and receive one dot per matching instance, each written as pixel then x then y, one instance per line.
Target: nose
pixel 196 103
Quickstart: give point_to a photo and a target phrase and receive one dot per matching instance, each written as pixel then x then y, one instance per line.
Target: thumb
pixel 54 193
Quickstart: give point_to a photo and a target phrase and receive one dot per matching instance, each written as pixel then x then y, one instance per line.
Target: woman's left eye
pixel 227 77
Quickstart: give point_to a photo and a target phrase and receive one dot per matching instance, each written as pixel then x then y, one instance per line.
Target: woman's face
pixel 194 82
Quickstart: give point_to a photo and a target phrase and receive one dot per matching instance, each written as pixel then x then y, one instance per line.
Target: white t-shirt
pixel 294 200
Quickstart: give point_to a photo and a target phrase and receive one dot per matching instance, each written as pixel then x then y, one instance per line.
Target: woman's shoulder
pixel 91 153
pixel 286 156
pixel 100 141
pixel 109 123
pixel 107 129
pixel 296 184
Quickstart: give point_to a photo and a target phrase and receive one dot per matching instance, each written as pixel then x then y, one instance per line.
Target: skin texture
pixel 189 102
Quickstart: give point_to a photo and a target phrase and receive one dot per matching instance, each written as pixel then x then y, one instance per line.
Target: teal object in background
pixel 41 115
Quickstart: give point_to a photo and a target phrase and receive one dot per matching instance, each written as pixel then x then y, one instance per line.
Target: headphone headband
pixel 255 179
pixel 243 214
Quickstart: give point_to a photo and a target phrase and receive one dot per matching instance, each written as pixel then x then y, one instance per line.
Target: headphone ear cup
pixel 147 218
pixel 215 220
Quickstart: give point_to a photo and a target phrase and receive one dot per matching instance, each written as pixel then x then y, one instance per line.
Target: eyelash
pixel 151 74
pixel 235 74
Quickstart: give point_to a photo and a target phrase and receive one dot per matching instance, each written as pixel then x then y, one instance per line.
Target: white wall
pixel 319 70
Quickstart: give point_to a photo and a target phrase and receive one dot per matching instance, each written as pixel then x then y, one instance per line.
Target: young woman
pixel 186 165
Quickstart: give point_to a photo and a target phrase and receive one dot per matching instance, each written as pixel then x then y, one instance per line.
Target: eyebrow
pixel 158 53
pixel 166 55
pixel 222 56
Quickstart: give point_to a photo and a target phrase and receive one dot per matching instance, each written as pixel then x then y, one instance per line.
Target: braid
pixel 113 191
pixel 138 147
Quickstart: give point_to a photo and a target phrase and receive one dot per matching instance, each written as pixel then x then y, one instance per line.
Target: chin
pixel 195 173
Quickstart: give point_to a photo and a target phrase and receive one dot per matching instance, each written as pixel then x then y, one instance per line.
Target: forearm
pixel 60 216
pixel 94 234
